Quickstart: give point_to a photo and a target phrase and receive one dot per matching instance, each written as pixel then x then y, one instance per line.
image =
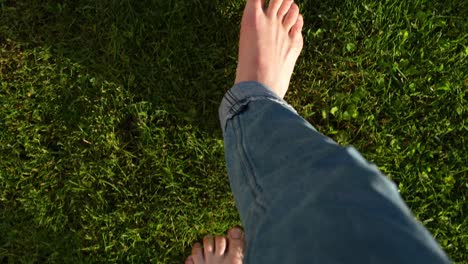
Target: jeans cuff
pixel 238 97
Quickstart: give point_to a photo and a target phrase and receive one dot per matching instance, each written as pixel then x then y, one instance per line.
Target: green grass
pixel 110 147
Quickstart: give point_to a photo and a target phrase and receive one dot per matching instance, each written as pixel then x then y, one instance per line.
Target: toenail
pixel 235 233
pixel 208 243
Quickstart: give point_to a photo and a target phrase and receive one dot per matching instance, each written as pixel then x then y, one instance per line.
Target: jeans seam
pixel 247 167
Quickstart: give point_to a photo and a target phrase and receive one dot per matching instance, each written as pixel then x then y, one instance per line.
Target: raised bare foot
pixel 219 250
pixel 270 43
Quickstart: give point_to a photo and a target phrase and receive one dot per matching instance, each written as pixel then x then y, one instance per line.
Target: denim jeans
pixel 302 198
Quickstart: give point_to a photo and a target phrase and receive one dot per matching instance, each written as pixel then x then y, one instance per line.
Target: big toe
pixel 236 243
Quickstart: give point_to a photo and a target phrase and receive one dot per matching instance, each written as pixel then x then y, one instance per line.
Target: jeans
pixel 302 198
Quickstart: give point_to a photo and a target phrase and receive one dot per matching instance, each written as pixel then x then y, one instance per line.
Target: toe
pixel 189 260
pixel 236 243
pixel 220 245
pixel 296 30
pixel 197 254
pixel 273 7
pixel 208 245
pixel 284 8
pixel 291 17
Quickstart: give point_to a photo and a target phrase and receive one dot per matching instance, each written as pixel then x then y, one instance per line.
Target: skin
pixel 270 43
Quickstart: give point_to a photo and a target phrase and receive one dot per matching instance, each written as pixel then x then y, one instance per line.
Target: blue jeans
pixel 302 198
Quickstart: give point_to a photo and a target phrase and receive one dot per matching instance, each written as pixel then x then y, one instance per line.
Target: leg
pixel 301 197
pixel 283 23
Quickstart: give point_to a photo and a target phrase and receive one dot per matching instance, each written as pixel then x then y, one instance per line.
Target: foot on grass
pixel 270 43
pixel 219 250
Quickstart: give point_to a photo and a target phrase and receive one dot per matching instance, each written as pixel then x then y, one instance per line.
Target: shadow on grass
pixel 179 55
pixel 40 243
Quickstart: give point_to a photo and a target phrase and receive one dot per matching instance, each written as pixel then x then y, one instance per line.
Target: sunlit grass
pixel 110 147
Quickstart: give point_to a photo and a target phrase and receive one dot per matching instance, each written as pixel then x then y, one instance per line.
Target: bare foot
pixel 219 250
pixel 270 43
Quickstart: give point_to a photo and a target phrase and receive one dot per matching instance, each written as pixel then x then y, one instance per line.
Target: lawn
pixel 110 145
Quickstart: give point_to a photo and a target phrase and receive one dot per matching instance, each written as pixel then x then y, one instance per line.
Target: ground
pixel 110 146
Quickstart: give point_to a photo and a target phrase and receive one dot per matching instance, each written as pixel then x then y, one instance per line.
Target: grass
pixel 110 147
